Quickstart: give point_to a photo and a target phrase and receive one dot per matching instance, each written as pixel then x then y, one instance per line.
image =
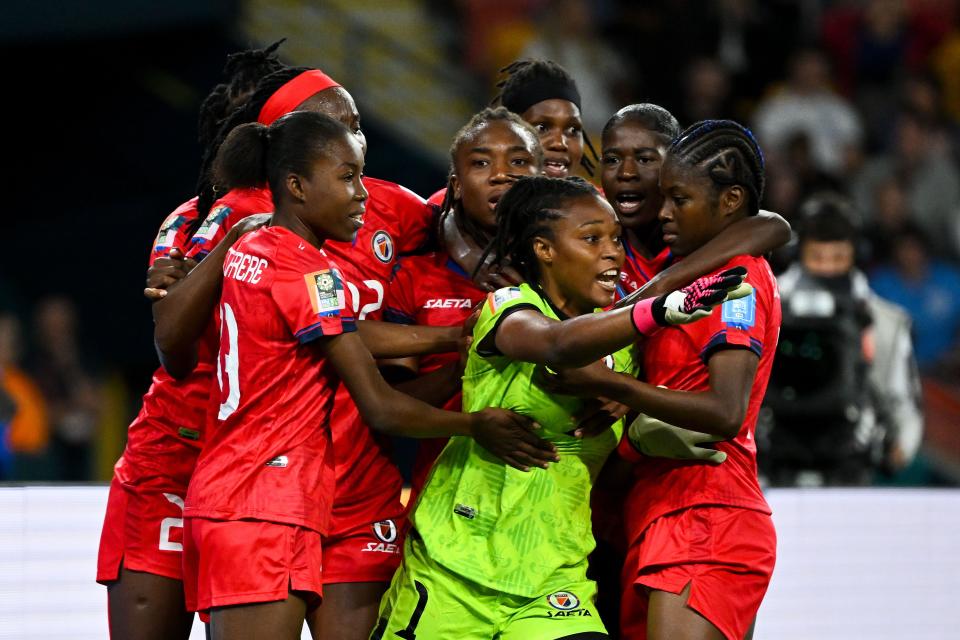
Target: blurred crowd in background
pixel 856 104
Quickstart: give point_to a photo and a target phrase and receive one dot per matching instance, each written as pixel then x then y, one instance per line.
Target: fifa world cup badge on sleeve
pixel 501 296
pixel 741 313
pixel 326 291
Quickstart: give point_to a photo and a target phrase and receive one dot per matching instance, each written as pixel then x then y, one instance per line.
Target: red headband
pixel 289 96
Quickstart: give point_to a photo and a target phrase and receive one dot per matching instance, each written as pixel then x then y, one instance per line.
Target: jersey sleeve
pixel 313 301
pixel 415 217
pixel 399 301
pixel 175 231
pixel 498 306
pixel 737 324
pixel 212 230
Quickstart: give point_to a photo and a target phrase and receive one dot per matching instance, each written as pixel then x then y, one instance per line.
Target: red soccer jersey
pixel 267 454
pixel 638 271
pixel 173 410
pixel 234 206
pixel 396 221
pixel 676 357
pixel 434 291
pixel 437 198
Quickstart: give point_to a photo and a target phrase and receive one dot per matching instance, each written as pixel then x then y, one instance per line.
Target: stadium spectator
pixel 23 414
pixel 807 104
pixel 929 289
pixel 70 386
pixel 928 174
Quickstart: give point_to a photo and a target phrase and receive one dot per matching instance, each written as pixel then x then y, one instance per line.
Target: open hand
pixel 512 438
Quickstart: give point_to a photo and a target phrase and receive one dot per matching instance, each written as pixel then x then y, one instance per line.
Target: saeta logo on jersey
pixel 383 246
pixel 386 532
pixel 566 605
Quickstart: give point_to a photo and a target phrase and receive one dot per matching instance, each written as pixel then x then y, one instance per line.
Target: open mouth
pixel 556 167
pixel 357 218
pixel 494 199
pixel 608 280
pixel 629 202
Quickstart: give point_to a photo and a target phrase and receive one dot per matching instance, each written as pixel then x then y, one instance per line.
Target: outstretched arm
pixel 503 433
pixel 753 235
pixel 719 411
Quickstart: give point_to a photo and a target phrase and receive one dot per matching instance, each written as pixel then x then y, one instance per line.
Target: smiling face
pixel 693 211
pixel 580 264
pixel 331 194
pixel 558 124
pixel 487 164
pixel 631 160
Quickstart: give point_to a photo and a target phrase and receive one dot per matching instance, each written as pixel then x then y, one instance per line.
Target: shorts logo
pixel 383 246
pixel 563 600
pixel 279 462
pixel 385 530
pixel 326 292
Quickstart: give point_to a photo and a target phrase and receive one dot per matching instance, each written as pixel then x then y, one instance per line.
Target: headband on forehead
pixel 289 96
pixel 530 93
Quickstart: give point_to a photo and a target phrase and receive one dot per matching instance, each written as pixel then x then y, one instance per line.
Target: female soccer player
pixel 486 157
pixel 508 552
pixel 286 334
pixel 361 550
pixel 702 544
pixel 140 557
pixel 634 143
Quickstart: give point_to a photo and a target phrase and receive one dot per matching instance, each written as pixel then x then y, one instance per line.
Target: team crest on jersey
pixel 385 530
pixel 382 246
pixel 563 601
pixel 741 313
pixel 326 291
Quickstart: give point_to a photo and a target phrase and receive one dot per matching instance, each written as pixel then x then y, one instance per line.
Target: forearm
pixel 399 414
pixel 181 317
pixel 703 411
pixel 754 235
pixel 434 388
pixel 579 341
pixel 390 340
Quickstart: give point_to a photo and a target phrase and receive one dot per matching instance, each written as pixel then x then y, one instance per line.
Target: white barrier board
pixel 852 564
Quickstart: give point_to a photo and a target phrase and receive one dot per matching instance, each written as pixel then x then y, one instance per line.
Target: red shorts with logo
pixel 230 562
pixel 725 554
pixel 143 525
pixel 369 552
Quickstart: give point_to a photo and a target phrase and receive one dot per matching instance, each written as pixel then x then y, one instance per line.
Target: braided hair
pixel 467 133
pixel 727 151
pixel 526 211
pixel 544 79
pixel 247 112
pixel 242 71
pixel 651 117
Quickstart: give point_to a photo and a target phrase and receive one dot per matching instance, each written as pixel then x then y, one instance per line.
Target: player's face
pixel 337 103
pixel 558 124
pixel 827 258
pixel 631 161
pixel 333 196
pixel 689 214
pixel 584 257
pixel 487 165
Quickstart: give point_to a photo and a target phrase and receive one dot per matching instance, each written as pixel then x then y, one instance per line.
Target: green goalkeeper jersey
pixel 518 532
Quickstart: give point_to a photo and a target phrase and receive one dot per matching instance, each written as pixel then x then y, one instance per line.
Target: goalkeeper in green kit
pixel 496 552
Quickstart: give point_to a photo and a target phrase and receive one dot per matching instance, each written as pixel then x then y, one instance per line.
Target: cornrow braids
pixel 651 117
pixel 526 211
pixel 530 81
pixel 247 112
pixel 729 153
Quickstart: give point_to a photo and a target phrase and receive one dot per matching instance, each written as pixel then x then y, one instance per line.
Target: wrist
pixel 644 315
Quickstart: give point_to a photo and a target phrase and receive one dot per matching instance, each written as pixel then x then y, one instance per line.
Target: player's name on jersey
pixel 448 303
pixel 244 267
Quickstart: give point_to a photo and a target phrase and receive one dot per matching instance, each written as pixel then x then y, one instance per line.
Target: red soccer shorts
pixel 143 526
pixel 725 554
pixel 230 562
pixel 366 553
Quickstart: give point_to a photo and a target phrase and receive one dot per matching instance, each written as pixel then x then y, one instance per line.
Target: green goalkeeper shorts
pixel 426 601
